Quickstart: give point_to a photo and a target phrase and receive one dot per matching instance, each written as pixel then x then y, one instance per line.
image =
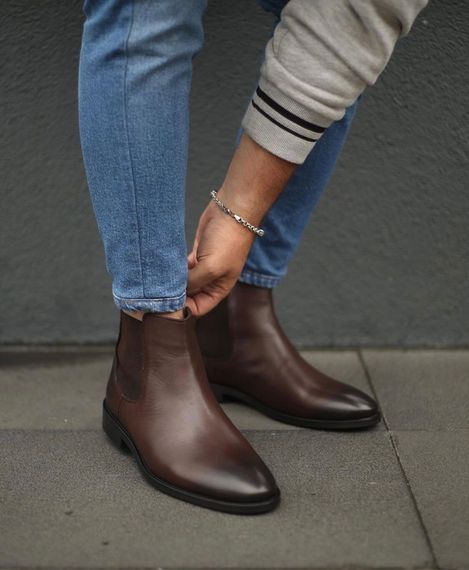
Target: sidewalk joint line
pixel 426 534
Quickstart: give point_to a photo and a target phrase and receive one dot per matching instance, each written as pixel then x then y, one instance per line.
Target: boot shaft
pixel 247 312
pixel 146 348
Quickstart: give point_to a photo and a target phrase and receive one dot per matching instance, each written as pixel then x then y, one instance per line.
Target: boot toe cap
pixel 347 404
pixel 243 483
pixel 354 405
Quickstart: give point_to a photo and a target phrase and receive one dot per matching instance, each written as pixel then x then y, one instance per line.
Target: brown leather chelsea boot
pixel 249 358
pixel 159 405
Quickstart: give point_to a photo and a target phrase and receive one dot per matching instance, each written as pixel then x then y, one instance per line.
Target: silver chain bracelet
pixel 258 231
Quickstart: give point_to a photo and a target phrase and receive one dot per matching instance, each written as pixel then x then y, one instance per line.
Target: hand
pixel 254 180
pixel 220 249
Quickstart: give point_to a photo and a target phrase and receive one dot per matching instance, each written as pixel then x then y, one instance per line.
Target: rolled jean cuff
pixel 258 279
pixel 158 305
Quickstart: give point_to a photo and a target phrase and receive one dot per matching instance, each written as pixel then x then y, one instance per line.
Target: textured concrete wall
pixel 385 260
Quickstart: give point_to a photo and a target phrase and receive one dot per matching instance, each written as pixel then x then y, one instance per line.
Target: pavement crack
pixel 392 439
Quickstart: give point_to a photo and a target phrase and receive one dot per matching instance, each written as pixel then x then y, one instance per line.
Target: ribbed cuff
pixel 280 125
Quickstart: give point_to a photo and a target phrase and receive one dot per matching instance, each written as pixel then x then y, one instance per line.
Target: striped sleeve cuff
pixel 280 126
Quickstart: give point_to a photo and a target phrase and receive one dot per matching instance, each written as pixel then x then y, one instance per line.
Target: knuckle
pixel 211 269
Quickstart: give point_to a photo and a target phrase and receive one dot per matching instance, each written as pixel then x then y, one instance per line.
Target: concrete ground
pixel 393 497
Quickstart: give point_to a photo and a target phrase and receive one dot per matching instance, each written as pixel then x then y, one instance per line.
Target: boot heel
pixel 112 430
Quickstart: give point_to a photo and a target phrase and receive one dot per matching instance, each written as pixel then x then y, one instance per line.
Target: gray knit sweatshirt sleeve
pixel 323 54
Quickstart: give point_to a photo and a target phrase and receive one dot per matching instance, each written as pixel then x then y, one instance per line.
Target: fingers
pixel 192 257
pixel 199 277
pixel 192 260
pixel 205 289
pixel 202 303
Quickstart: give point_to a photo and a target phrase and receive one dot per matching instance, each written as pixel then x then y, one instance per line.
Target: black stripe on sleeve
pixel 287 114
pixel 280 124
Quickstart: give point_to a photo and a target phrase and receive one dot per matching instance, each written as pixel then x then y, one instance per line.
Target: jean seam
pixel 150 300
pixel 262 275
pixel 155 304
pixel 127 136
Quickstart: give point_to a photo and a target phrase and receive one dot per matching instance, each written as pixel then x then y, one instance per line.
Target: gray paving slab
pixel 53 391
pixel 69 499
pixel 437 466
pixel 65 390
pixel 343 365
pixel 421 389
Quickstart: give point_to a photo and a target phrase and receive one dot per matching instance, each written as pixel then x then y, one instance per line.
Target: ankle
pixel 178 315
pixel 138 315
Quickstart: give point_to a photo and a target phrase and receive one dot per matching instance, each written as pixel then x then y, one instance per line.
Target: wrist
pixel 236 216
pixel 230 229
pixel 244 203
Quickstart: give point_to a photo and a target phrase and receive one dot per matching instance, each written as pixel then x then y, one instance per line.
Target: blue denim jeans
pixel 134 85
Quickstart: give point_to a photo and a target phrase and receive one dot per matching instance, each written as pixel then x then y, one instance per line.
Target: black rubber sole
pixel 224 393
pixel 120 437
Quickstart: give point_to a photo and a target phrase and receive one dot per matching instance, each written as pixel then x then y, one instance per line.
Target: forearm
pixel 254 180
pixel 323 54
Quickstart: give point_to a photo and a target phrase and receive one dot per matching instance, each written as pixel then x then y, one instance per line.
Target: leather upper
pixel 244 347
pixel 159 391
